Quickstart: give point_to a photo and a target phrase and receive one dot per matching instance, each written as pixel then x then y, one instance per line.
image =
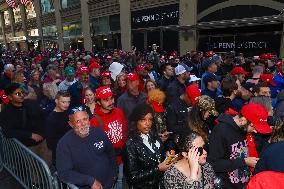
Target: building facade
pixel 252 26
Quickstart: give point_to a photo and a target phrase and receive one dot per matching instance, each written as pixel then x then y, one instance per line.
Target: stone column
pixel 187 17
pixel 24 19
pixel 125 24
pixel 86 25
pixel 282 43
pixel 24 24
pixel 2 22
pixel 12 23
pixel 57 7
pixel 37 6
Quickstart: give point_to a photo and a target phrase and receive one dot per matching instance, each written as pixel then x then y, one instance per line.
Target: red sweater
pixel 114 124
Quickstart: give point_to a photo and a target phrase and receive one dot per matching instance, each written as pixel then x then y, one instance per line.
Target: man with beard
pixel 177 87
pixel 228 144
pixel 85 156
pixel 77 89
pixel 113 123
pixel 167 77
pixel 132 96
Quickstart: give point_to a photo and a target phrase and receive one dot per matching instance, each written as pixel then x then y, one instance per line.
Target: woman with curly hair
pixel 143 153
pixel 156 99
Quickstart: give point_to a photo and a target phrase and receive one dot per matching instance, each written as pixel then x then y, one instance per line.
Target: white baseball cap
pixel 193 78
pixel 180 70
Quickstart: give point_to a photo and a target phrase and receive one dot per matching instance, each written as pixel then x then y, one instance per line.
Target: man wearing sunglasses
pixel 84 155
pixel 23 120
pixel 228 144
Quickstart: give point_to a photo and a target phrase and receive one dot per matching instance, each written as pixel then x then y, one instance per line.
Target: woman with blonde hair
pixel 156 99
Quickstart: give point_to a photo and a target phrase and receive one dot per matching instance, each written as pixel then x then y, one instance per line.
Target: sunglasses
pixel 19 93
pixel 77 109
pixel 200 150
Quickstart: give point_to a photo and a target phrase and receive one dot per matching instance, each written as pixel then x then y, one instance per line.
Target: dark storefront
pixel 153 26
pixel 248 40
pixel 249 28
pixel 106 32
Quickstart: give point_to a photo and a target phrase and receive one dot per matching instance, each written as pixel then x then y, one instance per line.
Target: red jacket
pixel 267 180
pixel 114 124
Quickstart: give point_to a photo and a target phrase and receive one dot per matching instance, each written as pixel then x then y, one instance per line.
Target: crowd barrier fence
pixel 26 167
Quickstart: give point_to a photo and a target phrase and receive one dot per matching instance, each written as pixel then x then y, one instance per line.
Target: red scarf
pixel 251 148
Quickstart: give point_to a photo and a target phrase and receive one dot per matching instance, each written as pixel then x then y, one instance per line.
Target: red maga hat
pixel 132 76
pixel 140 67
pixel 103 92
pixel 257 115
pixel 239 70
pixel 82 69
pixel 193 92
pixel 94 65
pixel 268 78
pixel 93 60
pixel 105 74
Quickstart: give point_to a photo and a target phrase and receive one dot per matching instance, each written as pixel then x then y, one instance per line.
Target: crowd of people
pixel 114 119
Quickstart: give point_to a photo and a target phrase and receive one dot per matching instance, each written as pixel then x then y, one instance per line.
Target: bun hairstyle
pixel 185 139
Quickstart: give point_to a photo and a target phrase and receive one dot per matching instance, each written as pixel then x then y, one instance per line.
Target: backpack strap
pixel 100 121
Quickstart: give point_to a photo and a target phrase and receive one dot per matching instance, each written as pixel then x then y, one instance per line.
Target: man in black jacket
pixel 228 145
pixel 21 119
pixel 177 86
pixel 168 76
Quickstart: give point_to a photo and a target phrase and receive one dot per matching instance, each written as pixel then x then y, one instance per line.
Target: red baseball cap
pixel 132 76
pixel 239 70
pixel 105 74
pixel 82 69
pixel 279 64
pixel 210 54
pixel 103 92
pixel 193 92
pixel 94 65
pixel 140 67
pixel 268 78
pixel 93 60
pixel 257 115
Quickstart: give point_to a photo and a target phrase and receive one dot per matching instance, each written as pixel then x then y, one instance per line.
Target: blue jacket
pixel 81 161
pixel 279 80
pixel 271 159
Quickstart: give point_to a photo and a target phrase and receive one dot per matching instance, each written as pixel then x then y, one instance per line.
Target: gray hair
pixel 258 69
pixel 262 100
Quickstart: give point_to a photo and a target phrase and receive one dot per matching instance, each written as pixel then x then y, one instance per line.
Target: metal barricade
pixel 62 185
pixel 25 166
pixel 1 151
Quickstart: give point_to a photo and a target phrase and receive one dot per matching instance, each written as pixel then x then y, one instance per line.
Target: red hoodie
pixel 114 124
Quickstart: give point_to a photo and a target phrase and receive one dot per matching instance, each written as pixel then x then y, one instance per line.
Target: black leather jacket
pixel 141 164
